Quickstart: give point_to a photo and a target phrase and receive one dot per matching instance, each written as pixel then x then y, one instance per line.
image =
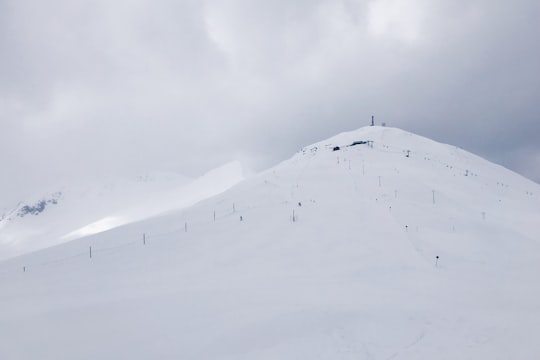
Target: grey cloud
pixel 92 88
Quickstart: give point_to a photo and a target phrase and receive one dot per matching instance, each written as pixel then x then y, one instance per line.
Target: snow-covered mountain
pixel 84 209
pixel 374 244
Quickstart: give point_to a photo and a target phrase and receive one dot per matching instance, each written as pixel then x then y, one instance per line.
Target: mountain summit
pixel 373 244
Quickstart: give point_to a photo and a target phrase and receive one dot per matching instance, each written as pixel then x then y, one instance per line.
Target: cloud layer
pixel 98 87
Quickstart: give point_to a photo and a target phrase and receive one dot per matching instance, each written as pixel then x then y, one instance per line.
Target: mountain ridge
pixel 83 209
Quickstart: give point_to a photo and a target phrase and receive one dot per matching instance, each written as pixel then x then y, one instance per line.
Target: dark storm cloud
pixel 98 87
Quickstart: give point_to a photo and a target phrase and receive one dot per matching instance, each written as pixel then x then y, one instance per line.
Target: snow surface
pixel 328 255
pixel 83 210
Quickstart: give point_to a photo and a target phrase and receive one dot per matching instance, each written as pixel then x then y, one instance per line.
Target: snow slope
pixel 84 209
pixel 328 255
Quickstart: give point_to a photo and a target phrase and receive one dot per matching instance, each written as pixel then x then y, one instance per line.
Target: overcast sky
pixel 101 87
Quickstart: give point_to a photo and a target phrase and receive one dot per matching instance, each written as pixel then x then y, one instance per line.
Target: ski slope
pixel 328 255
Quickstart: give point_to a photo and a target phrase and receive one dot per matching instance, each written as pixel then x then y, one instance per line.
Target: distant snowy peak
pixel 33 208
pixel 40 206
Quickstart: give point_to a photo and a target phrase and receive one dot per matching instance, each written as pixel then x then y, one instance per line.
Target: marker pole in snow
pixel 90 252
pixel 214 216
pixel 144 239
pixel 433 191
pixel 185 226
pixel 437 261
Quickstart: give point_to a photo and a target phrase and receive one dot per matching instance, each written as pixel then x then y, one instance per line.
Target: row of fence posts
pixel 294 219
pixel 144 237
